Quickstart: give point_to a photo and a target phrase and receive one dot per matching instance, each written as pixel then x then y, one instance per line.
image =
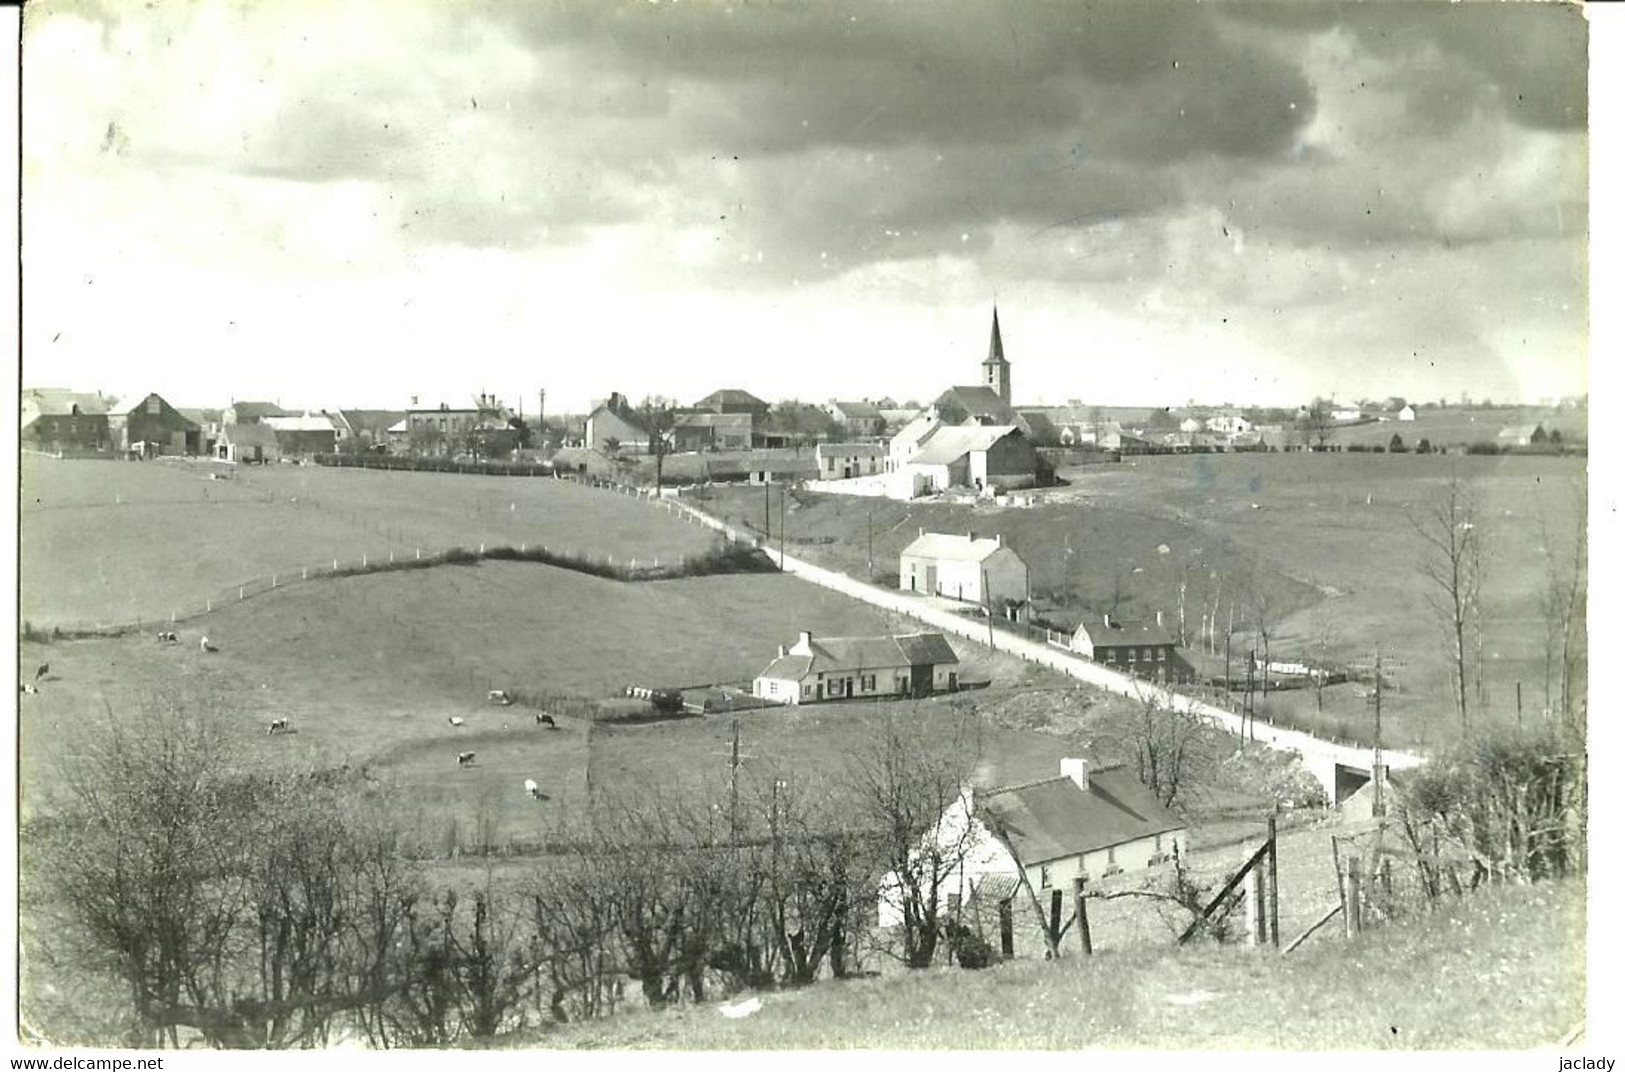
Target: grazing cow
pixel 29 690
pixel 204 645
pixel 499 696
pixel 278 725
pixel 532 790
pixel 546 720
pixel 44 668
pixel 455 721
pixel 465 759
pixel 167 637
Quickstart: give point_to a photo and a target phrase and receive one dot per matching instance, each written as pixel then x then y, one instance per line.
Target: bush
pixel 1483 447
pixel 969 949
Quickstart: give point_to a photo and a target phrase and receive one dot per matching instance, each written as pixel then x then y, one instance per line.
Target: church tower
pixel 996 370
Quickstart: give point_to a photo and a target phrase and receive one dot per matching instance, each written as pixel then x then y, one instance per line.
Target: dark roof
pixel 984 403
pixel 1122 634
pixel 859 409
pixel 731 396
pixel 922 648
pixel 1054 819
pixel 57 402
pixel 950 442
pixel 372 420
pixel 807 466
pixel 253 410
pixel 793 667
pixel 249 435
pixel 995 345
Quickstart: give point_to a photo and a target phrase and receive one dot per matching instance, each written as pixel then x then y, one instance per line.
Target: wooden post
pixel 1007 930
pixel 1055 920
pixel 1274 891
pixel 1351 912
pixel 1082 915
pixel 239 593
pixel 1252 903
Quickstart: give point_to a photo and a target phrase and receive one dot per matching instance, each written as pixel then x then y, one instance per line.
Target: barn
pixel 249 444
pixel 152 427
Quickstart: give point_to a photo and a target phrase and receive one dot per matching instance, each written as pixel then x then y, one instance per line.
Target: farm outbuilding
pixel 970 568
pixel 843 461
pixel 308 433
pixel 1088 824
pixel 248 444
pixel 153 427
pixel 841 668
pixel 984 457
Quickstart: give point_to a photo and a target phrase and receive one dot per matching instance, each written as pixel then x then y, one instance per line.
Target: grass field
pixel 1501 970
pixel 1302 522
pixel 1457 426
pixel 370 668
pixel 114 542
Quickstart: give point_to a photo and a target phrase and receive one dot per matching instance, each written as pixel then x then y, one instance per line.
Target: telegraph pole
pixel 871 545
pixel 1377 809
pixel 782 492
pixel 987 598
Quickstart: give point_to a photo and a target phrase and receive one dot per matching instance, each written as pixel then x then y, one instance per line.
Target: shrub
pixel 1483 447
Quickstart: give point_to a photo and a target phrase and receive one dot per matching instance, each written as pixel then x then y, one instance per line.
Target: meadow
pixel 1327 537
pixel 113 542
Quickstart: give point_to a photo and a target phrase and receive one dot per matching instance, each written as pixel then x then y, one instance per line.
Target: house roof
pixel 707 419
pixel 921 648
pixel 1054 819
pixel 951 442
pixel 621 413
pixel 995 888
pixel 806 465
pixel 917 430
pixel 305 422
pixel 952 547
pixel 981 401
pixel 140 405
pixel 249 435
pixel 788 667
pixel 851 450
pixel 731 396
pixel 52 401
pixel 838 654
pixel 858 409
pixel 372 420
pixel 1121 634
pixel 257 410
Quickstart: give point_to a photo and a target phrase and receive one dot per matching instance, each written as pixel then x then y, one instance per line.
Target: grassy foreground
pixel 1501 970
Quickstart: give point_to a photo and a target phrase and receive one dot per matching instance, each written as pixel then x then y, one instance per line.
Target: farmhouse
pixel 440 430
pixel 1083 824
pixel 842 461
pixel 369 428
pixel 614 425
pixel 733 400
pixel 1142 648
pixel 57 420
pixel 1226 422
pixel 858 418
pixel 963 567
pixel 153 427
pixel 253 443
pixel 782 471
pixel 1407 413
pixel 996 457
pixel 308 433
pixel 838 668
pixel 704 430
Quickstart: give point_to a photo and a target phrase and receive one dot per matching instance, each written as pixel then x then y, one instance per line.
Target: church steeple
pixel 996 370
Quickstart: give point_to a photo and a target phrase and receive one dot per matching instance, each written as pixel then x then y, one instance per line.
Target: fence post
pixel 1253 906
pixel 1351 909
pixel 482 547
pixel 420 552
pixel 335 565
pixel 273 580
pixel 239 593
pixel 1274 891
pixel 1055 919
pixel 1007 930
pixel 208 606
pixel 363 560
pixel 1081 907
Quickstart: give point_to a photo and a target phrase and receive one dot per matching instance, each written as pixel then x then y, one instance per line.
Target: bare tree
pixel 1563 606
pixel 1324 624
pixel 1171 749
pixel 903 782
pixel 1449 535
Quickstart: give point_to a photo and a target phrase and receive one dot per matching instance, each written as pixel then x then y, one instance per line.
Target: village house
pixel 705 430
pixel 985 458
pixel 860 419
pixel 64 421
pixel 442 430
pixel 842 461
pixel 1226 423
pixel 613 425
pixel 734 400
pixel 781 470
pixel 153 428
pixel 1407 412
pixel 1521 435
pixel 305 434
pixel 840 668
pixel 1145 649
pixel 1082 824
pixel 250 443
pixel 976 570
pixel 1191 424
pixel 368 429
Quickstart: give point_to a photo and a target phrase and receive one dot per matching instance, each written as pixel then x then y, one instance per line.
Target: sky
pixel 358 204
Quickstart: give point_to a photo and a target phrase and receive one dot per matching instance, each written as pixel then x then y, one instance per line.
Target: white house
pixel 1346 413
pixel 984 457
pixel 1084 824
pixel 905 442
pixel 858 418
pixel 840 668
pixel 1228 423
pixel 1408 413
pixel 977 570
pixel 248 443
pixel 843 461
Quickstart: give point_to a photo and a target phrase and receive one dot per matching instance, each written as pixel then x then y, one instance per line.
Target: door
pixel 820 690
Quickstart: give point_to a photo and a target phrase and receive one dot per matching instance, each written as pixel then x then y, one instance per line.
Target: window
pixel 154 406
pixel 868 683
pixel 1111 656
pixel 1158 846
pixel 1131 655
pixel 1146 654
pixel 1162 655
pixel 1043 876
pixel 1111 855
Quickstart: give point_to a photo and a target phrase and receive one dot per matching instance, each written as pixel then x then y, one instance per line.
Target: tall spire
pixel 995 346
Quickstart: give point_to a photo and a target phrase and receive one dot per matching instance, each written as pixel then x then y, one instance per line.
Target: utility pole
pixel 767 503
pixel 1247 716
pixel 987 598
pixel 1377 809
pixel 871 545
pixel 782 493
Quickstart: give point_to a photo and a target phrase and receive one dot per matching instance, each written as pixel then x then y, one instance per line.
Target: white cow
pixel 532 790
pixel 455 720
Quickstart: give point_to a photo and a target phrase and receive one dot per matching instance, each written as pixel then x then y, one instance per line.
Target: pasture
pixel 1327 537
pixel 370 669
pixel 109 542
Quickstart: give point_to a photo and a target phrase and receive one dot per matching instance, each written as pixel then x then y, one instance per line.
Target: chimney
pixel 781 651
pixel 998 539
pixel 1078 771
pixel 971 536
pixel 1108 618
pixel 805 640
pixel 1159 619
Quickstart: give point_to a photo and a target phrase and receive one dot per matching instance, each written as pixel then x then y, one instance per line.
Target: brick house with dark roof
pixel 840 668
pixel 1143 648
